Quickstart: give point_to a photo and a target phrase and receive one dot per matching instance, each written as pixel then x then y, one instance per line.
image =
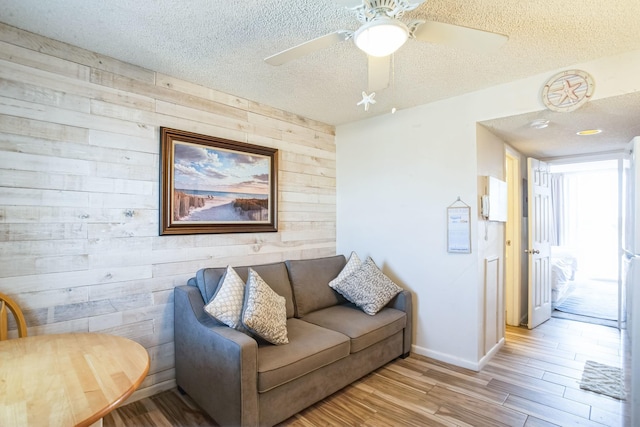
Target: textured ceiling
pixel 222 44
pixel 618 117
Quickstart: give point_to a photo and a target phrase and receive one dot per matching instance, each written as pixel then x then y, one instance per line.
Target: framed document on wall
pixel 459 229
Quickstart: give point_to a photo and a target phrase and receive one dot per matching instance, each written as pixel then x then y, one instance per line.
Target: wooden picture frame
pixel 214 185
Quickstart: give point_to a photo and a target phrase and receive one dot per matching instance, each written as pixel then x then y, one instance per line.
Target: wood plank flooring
pixel 533 381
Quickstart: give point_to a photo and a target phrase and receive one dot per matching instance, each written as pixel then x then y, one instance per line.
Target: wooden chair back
pixel 8 303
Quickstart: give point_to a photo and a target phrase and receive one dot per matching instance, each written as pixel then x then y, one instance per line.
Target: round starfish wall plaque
pixel 568 90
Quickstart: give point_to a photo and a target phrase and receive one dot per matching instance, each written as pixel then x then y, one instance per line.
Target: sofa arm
pixel 215 365
pixel 403 301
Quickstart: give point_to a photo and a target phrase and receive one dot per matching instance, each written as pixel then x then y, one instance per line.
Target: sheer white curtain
pixel 557 209
pixel 584 218
pixel 561 210
pixel 565 209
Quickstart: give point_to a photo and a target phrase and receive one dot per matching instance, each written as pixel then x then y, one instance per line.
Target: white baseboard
pixel 443 357
pixel 453 360
pixel 487 357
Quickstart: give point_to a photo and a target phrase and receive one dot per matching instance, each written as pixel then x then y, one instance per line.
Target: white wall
pixel 398 173
pixel 491 246
pixel 79 182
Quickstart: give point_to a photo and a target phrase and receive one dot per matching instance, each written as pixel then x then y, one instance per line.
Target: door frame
pixel 513 237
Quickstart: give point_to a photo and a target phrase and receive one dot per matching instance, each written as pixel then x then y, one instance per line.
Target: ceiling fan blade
pixel 309 47
pixel 378 72
pixel 349 4
pixel 458 36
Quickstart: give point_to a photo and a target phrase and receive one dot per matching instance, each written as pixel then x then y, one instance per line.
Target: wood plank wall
pixel 79 181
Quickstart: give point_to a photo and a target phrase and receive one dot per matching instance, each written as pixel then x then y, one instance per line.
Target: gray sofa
pixel 241 381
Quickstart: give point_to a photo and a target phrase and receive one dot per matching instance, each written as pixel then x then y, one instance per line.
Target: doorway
pixel 585 247
pixel 585 284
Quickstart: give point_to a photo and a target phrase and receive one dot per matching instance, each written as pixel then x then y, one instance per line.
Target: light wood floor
pixel 533 381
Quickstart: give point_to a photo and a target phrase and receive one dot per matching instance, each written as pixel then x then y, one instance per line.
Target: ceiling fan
pixel 382 32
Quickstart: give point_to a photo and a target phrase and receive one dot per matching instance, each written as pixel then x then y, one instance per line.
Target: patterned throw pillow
pixel 368 288
pixel 352 265
pixel 265 312
pixel 226 304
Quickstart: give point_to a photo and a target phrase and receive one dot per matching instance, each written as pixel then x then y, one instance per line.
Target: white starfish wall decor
pixel 367 100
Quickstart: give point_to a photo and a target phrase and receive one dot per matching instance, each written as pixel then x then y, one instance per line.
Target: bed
pixel 564 265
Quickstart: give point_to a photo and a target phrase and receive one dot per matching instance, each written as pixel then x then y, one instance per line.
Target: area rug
pixel 587 319
pixel 603 379
pixel 593 298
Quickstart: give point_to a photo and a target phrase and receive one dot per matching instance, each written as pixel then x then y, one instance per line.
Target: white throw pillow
pixel 368 288
pixel 265 312
pixel 352 265
pixel 226 304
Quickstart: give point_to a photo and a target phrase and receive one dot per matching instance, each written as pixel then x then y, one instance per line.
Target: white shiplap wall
pixel 79 182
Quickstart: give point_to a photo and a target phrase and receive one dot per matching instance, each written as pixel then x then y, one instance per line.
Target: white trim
pixel 495 328
pixel 447 358
pixel 515 224
pixel 586 158
pixel 487 357
pixel 621 214
pixel 463 363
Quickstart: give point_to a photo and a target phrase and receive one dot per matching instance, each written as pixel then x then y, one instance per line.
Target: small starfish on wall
pixel 367 100
pixel 568 92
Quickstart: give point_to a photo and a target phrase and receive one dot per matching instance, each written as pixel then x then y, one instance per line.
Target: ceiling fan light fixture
pixel 381 36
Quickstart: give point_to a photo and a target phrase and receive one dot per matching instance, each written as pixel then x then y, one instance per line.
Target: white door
pixel 539 249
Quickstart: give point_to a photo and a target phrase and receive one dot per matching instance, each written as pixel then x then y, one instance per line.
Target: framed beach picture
pixel 215 185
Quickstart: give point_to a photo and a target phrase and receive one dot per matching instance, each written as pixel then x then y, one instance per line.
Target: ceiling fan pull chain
pixel 393 83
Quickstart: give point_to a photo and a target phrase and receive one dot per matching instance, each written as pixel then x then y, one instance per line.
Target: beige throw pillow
pixel 265 312
pixel 352 265
pixel 226 304
pixel 368 288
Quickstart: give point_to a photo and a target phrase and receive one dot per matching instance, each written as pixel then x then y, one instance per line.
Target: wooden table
pixel 67 379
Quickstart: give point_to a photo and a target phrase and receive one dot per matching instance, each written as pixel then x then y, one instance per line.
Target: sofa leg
pixel 404 356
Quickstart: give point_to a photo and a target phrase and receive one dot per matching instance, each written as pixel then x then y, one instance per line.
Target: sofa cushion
pixel 264 313
pixel 207 280
pixel 368 288
pixel 363 329
pixel 309 279
pixel 226 304
pixel 310 347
